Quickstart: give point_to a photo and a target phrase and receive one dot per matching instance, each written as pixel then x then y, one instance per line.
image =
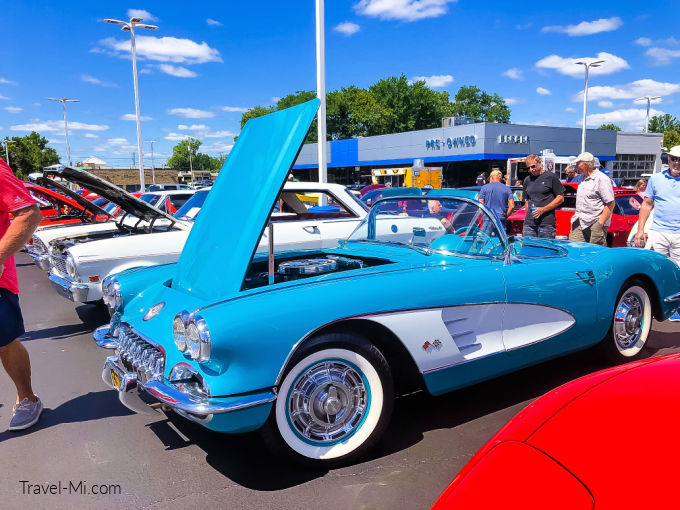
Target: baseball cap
pixel 586 157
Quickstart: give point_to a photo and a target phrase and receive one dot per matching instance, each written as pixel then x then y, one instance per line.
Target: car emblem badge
pixel 154 310
pixel 430 346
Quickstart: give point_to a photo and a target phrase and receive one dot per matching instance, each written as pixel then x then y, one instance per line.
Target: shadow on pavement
pixel 88 407
pixel 56 333
pixel 93 315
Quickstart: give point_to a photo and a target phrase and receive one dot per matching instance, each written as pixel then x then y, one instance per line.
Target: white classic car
pixel 135 215
pixel 300 221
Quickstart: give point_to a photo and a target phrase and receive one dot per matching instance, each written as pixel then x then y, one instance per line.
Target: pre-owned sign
pixel 451 142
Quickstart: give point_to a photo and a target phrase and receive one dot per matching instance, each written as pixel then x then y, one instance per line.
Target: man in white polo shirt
pixel 663 195
pixel 594 203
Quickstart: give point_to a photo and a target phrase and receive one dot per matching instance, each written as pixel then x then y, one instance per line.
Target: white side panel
pixel 447 336
pixel 526 324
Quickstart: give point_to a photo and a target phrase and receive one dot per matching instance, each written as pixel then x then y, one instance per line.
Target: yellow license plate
pixel 115 379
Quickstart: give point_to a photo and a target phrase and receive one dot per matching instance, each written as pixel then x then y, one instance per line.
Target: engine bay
pixel 304 266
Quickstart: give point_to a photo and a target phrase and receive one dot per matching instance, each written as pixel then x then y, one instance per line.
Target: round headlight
pixel 179 330
pixel 71 266
pixel 193 340
pixel 116 295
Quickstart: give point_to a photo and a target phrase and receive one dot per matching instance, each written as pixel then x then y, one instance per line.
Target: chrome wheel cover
pixel 628 320
pixel 328 402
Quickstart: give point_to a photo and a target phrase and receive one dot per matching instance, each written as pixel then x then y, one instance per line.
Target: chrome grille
pixel 58 262
pixel 140 356
pixel 37 247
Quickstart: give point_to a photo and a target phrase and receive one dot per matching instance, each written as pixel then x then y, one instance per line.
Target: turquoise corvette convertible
pixel 311 347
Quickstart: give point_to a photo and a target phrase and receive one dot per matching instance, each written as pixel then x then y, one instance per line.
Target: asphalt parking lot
pixel 86 435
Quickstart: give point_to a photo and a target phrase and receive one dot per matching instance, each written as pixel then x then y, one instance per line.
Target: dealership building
pixel 463 151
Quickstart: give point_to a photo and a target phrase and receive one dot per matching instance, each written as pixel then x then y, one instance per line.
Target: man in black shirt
pixel 543 192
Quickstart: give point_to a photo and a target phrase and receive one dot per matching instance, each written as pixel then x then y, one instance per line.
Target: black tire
pixel 631 322
pixel 340 373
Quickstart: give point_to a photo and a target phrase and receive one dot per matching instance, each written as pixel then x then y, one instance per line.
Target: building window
pixel 631 166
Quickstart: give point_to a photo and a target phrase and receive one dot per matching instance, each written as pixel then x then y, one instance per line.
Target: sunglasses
pixel 534 166
pixel 674 159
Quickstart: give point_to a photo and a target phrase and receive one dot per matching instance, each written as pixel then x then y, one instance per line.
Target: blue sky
pixel 211 60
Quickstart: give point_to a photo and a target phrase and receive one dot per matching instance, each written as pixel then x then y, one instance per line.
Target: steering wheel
pixel 484 239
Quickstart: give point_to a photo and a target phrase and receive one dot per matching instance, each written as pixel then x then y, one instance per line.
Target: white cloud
pixel 115 145
pixel 347 28
pixel 275 99
pixel 569 109
pixel 213 22
pixel 631 90
pixel 190 113
pixel 662 56
pixel 605 104
pixel 643 41
pixel 193 127
pixel 57 126
pixel 403 10
pixel 543 91
pixel 176 137
pixel 5 81
pixel 91 135
pixel 217 147
pixel 146 70
pixel 434 81
pixel 133 117
pixel 526 26
pixel 13 109
pixel 141 13
pixel 237 108
pixel 199 131
pixel 5 97
pixel 219 134
pixel 514 73
pixel 631 119
pixel 164 49
pixel 587 27
pixel 568 66
pixel 514 100
pixel 96 81
pixel 177 71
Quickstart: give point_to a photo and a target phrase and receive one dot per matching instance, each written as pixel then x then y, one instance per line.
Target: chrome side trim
pixel 672 297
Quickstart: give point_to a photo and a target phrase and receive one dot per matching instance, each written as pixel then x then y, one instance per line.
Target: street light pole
pixel 587 65
pixel 130 27
pixel 649 99
pixel 153 166
pixel 63 102
pixel 321 91
pixel 5 142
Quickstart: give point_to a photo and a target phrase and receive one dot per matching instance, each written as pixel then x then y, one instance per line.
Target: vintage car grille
pixel 140 356
pixel 58 262
pixel 37 247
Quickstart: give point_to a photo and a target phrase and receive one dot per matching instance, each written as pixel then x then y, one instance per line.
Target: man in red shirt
pixel 16 200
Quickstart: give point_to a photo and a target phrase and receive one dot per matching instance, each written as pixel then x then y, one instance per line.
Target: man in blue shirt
pixel 497 196
pixel 572 175
pixel 663 195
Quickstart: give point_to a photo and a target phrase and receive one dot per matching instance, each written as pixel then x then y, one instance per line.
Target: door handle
pixel 586 276
pixel 311 229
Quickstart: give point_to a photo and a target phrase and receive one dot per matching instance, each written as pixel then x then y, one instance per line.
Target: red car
pixel 604 441
pixel 60 207
pixel 624 216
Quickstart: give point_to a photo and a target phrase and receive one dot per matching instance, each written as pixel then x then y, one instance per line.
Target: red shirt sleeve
pixel 13 194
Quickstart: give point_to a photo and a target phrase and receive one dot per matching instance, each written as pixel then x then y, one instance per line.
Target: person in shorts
pixel 15 200
pixel 663 195
pixel 543 193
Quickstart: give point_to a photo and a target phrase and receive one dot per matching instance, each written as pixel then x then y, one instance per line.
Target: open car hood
pixel 128 202
pixel 226 233
pixel 86 204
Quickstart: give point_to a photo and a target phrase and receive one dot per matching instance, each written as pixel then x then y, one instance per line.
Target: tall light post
pixel 191 166
pixel 153 166
pixel 63 102
pixel 321 90
pixel 587 65
pixel 129 26
pixel 5 142
pixel 649 99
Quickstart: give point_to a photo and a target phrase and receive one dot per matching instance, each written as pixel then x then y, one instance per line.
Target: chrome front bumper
pixel 70 290
pixel 103 338
pixel 200 410
pixel 41 260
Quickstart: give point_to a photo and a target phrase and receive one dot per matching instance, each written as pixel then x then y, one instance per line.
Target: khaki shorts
pixel 594 234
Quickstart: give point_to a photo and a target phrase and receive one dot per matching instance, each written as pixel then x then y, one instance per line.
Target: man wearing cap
pixel 572 175
pixel 663 195
pixel 543 192
pixel 594 203
pixel 497 196
pixel 16 200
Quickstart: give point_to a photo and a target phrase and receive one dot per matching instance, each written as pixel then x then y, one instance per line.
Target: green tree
pixel 663 123
pixel 256 111
pixel 671 138
pixel 28 154
pixel 199 161
pixel 352 112
pixel 412 105
pixel 610 127
pixel 481 106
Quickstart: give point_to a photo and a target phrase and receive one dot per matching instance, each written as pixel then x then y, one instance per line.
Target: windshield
pixel 190 209
pixel 629 205
pixel 442 225
pixel 150 199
